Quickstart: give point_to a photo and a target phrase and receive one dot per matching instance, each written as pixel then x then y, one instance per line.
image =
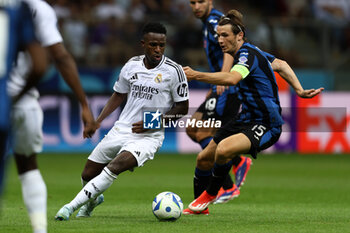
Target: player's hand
pixel 90 126
pixel 309 93
pixel 221 89
pixel 138 127
pixel 190 74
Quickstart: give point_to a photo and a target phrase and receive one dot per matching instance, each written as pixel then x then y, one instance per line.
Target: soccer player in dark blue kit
pixel 221 103
pixel 259 124
pixel 17 33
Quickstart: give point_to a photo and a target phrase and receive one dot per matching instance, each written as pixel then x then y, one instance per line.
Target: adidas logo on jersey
pixel 134 78
pixel 137 152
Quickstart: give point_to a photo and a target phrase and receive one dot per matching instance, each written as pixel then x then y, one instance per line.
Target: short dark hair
pixel 154 27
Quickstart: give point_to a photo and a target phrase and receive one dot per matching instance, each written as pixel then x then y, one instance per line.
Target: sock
pixel 220 173
pixel 236 160
pixel 84 182
pixel 205 142
pixel 34 196
pixel 228 183
pixel 200 181
pixel 93 188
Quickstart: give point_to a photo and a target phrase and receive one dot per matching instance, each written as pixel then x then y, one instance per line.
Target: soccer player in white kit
pixel 27 115
pixel 151 81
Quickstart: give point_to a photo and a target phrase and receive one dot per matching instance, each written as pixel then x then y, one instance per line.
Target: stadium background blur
pixel 312 35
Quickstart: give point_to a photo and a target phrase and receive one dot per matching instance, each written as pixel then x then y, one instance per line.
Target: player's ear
pixel 143 43
pixel 240 35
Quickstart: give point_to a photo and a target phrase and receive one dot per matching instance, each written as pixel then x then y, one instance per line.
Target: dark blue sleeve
pixel 26 26
pixel 269 57
pixel 245 58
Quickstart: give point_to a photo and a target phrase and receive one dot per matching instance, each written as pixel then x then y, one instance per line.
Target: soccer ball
pixel 167 206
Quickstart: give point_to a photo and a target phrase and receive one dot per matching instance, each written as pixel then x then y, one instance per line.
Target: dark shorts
pixel 260 135
pixel 221 107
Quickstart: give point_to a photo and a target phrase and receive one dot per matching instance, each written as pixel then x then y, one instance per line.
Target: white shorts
pixel 142 147
pixel 27 132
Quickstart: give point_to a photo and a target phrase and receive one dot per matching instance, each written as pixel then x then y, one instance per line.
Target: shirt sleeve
pixel 244 63
pixel 241 69
pixel 270 57
pixel 46 24
pixel 179 87
pixel 122 85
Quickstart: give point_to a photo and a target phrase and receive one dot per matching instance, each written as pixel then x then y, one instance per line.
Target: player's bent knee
pixel 222 152
pixel 91 170
pixel 124 161
pixel 86 176
pixel 204 162
pixel 191 132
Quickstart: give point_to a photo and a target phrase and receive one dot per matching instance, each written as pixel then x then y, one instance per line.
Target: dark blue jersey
pixel 258 91
pixel 211 44
pixel 17 31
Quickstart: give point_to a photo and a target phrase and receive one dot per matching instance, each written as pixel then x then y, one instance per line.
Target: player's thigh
pixel 27 130
pixel 143 148
pixel 203 133
pixel 232 146
pixel 197 116
pixel 109 147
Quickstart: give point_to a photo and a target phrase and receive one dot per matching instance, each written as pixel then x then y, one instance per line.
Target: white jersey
pixel 45 23
pixel 149 89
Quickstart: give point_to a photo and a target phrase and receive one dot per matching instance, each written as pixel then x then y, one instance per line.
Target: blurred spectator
pixel 137 10
pixel 108 8
pixel 336 14
pixel 61 9
pixel 299 8
pixel 100 32
pixel 75 34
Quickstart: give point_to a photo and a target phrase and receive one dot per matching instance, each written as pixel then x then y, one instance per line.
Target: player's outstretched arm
pixel 66 65
pixel 218 78
pixel 226 67
pixel 179 110
pixel 287 73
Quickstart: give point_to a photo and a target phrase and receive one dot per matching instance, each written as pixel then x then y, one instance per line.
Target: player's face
pixel 153 45
pixel 229 42
pixel 201 8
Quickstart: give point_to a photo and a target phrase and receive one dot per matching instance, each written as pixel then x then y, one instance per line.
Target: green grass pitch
pixel 283 193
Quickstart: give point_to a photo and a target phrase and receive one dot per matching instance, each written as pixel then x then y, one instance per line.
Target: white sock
pixel 84 182
pixel 93 188
pixel 34 196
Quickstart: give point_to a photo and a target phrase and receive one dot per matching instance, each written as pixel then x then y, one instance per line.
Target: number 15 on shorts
pixel 259 131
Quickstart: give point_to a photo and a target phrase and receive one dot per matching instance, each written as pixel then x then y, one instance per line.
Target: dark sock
pixel 200 181
pixel 220 173
pixel 205 142
pixel 236 160
pixel 228 183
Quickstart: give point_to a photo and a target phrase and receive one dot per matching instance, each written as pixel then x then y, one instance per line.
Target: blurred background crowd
pixel 309 34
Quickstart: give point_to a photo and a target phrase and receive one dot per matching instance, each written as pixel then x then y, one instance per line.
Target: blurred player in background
pixel 221 103
pixel 17 33
pixel 150 81
pixel 27 115
pixel 259 125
